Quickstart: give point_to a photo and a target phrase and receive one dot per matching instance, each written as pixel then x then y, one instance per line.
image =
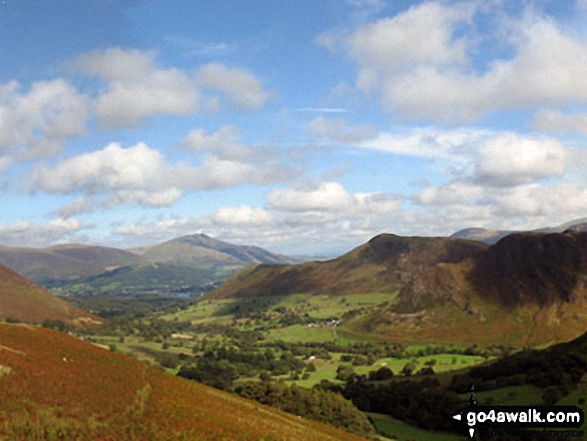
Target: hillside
pixel 191 262
pixel 526 289
pixel 199 249
pixel 24 300
pixel 64 262
pixel 55 386
pixel 384 264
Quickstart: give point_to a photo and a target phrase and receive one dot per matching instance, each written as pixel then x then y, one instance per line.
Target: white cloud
pixel 511 160
pixel 420 62
pixel 53 231
pixel 338 130
pixel 421 35
pixel 331 197
pixel 295 228
pixel 223 144
pixel 141 175
pixel 452 193
pixel 559 201
pixel 37 123
pixel 243 215
pixel 429 142
pixel 328 196
pixel 137 87
pixel 555 121
pixel 242 88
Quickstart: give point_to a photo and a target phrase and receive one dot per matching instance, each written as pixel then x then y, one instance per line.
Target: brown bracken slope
pixel 55 386
pixel 23 300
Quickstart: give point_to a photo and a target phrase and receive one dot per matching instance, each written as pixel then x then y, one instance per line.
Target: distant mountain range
pixel 197 261
pixel 493 236
pixel 529 288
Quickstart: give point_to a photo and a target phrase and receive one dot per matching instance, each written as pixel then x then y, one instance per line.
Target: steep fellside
pixel 533 268
pixel 384 264
pixel 529 288
pixel 199 249
pixel 55 386
pixel 24 300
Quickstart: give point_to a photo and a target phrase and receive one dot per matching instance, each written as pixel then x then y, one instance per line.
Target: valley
pixel 383 342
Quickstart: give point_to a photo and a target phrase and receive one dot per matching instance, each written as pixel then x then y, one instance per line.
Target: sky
pixel 301 126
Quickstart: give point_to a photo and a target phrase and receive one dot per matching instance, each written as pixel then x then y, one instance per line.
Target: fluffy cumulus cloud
pixel 451 193
pixel 301 219
pixel 509 159
pixel 420 62
pixel 140 175
pixel 242 88
pixel 331 197
pixel 137 174
pixel 137 87
pixel 243 215
pixel 224 144
pixel 38 122
pixel 53 231
pixel 338 130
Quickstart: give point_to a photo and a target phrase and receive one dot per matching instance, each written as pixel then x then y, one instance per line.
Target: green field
pixel 397 430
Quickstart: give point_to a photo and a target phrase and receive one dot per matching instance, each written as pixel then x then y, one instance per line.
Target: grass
pixel 301 333
pixel 401 431
pixel 512 396
pixel 317 307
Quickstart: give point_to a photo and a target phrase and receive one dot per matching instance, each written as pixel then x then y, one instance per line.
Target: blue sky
pixel 299 126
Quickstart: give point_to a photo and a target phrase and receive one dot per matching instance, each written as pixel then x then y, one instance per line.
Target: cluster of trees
pixel 549 368
pixel 221 367
pixel 422 403
pixel 317 404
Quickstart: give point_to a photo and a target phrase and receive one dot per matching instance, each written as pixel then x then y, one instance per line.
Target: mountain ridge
pixel 528 288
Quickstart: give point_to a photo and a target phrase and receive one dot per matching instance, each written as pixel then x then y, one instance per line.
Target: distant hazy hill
pixel 26 301
pixel 527 288
pixel 65 262
pixel 493 236
pixel 199 249
pixel 55 386
pixel 197 261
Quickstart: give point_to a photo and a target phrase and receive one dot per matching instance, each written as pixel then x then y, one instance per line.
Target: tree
pixel 409 368
pixel 381 374
pixel 344 372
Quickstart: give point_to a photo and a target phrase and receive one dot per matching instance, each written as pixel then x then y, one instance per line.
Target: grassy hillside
pixel 58 387
pixel 529 288
pixel 199 249
pixel 190 263
pixel 23 300
pixel 64 261
pixel 384 264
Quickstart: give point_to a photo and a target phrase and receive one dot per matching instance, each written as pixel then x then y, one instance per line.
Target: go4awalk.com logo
pixel 506 418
